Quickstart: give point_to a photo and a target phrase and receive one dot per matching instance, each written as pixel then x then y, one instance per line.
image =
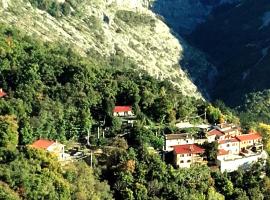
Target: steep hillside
pixel 237 39
pixel 115 27
pixel 184 16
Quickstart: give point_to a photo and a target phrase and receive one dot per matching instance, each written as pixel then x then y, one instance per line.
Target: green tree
pixel 8 132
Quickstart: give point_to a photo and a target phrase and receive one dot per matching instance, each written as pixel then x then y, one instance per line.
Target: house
pixel 122 111
pixel 214 135
pixel 53 147
pixel 2 93
pixel 249 140
pixel 187 154
pixel 229 130
pixel 229 145
pixel 172 140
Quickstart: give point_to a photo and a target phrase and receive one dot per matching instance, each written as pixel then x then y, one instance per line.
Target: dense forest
pixel 54 93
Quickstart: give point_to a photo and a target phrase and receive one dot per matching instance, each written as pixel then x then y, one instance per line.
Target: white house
pixel 214 135
pixel 172 140
pixel 231 145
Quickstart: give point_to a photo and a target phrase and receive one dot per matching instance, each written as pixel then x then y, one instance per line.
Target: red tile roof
pixel 228 140
pixel 215 132
pixel 122 108
pixel 222 152
pixel 2 93
pixel 188 149
pixel 42 144
pixel 245 137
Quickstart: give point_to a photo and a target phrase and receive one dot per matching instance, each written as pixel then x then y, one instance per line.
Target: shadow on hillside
pixel 193 62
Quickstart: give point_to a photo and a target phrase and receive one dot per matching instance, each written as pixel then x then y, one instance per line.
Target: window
pixel 181 161
pixel 189 154
pixel 228 145
pixel 189 161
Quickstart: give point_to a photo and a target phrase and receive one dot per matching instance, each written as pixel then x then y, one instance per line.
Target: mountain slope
pixel 236 37
pixel 184 16
pixel 111 27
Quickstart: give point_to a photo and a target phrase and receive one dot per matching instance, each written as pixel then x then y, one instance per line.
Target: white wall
pixel 232 148
pixel 232 165
pixel 170 143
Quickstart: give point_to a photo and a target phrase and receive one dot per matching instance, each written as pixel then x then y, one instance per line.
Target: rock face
pixel 184 15
pixel 125 27
pixel 236 38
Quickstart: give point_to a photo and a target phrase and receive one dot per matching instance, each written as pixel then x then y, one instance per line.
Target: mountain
pixel 236 38
pixel 112 27
pixel 183 16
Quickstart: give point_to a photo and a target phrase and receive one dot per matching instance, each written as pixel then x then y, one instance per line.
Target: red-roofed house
pixel 229 130
pixel 214 135
pixel 187 154
pixel 2 93
pixel 122 111
pixel 248 140
pixel 55 148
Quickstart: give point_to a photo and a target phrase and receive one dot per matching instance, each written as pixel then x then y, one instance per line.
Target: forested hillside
pixel 54 93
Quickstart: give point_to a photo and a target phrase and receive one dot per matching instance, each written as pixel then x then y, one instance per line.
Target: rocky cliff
pixel 184 15
pixel 236 38
pixel 109 27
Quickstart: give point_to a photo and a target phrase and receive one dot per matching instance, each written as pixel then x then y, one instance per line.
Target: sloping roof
pixel 188 149
pixel 230 130
pixel 122 108
pixel 178 136
pixel 228 140
pixel 222 152
pixel 2 93
pixel 42 144
pixel 245 137
pixel 215 132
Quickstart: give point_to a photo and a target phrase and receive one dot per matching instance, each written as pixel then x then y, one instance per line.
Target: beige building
pixel 249 140
pixel 188 154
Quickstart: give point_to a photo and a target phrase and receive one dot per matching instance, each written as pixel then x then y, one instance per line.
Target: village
pixel 234 148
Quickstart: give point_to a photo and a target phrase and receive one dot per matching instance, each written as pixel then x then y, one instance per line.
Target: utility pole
pixel 88 136
pixel 91 158
pixel 205 115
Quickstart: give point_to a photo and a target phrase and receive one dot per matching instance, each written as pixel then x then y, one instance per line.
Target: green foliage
pixel 135 18
pixel 52 7
pixel 37 175
pixel 211 150
pixel 255 108
pixel 8 132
